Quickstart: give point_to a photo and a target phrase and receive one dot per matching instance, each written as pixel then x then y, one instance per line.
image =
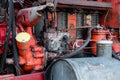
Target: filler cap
pixel 23 37
pixel 104 42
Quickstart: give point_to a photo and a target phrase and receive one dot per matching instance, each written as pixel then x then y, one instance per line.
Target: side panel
pixel 34 76
pixel 112 17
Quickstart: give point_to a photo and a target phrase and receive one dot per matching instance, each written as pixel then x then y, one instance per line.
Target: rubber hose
pixel 115 56
pixel 2 61
pixel 77 51
pixel 14 48
pixel 3 3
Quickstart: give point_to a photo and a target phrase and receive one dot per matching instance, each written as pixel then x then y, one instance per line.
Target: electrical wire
pixel 76 52
pixel 20 2
pixel 106 16
pixel 10 25
pixel 115 55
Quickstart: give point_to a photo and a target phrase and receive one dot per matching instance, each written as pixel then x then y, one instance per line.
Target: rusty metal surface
pixel 84 4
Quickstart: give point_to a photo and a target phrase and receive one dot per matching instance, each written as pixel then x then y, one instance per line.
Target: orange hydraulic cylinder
pixel 31 56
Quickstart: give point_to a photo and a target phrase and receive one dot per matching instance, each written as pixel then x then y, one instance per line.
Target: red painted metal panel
pixel 3 77
pixel 113 18
pixel 34 76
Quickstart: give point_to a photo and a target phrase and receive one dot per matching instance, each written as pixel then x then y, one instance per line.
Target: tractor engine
pixel 32 56
pixel 45 35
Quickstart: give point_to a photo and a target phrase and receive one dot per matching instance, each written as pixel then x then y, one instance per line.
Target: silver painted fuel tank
pixel 99 68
